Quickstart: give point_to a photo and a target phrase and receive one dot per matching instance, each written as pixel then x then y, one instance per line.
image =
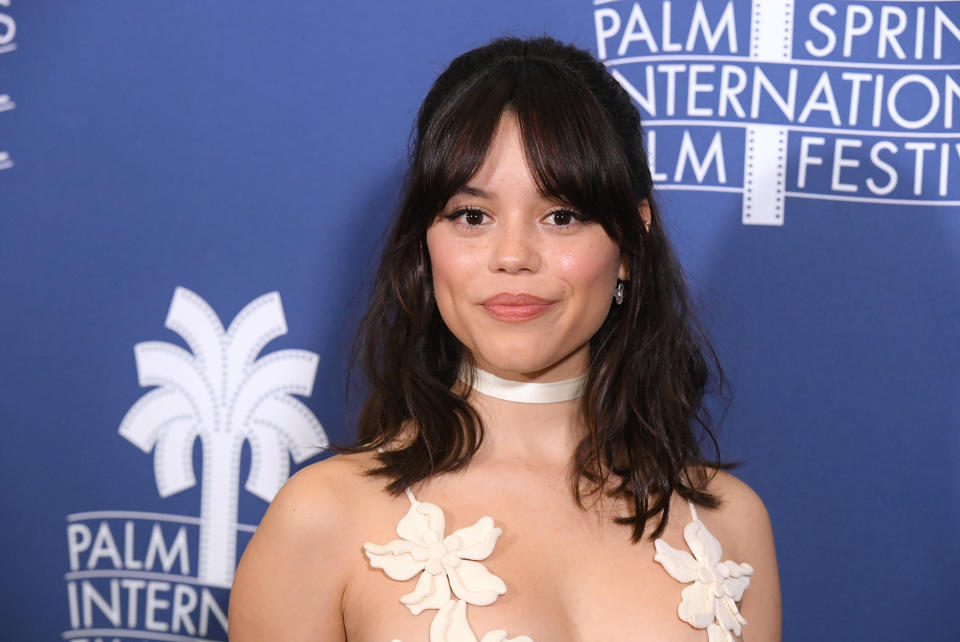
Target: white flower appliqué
pixel 711 601
pixel 450 625
pixel 444 563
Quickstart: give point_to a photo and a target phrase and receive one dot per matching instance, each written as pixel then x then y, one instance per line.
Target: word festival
pixel 845 101
pixel 131 575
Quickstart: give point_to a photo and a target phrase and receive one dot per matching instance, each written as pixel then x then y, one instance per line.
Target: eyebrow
pixel 474 191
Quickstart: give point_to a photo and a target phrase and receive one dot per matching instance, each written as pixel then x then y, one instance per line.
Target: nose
pixel 516 248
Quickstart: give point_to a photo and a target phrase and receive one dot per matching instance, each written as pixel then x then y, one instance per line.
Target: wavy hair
pixel 644 415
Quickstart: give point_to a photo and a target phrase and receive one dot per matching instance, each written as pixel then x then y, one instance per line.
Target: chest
pixel 569 576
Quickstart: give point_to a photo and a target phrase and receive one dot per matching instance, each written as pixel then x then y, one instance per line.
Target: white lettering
pixel 940 20
pixel 892 101
pixel 133 587
pixel 806 159
pixel 728 93
pixel 919 149
pixel 951 91
pixel 668 44
pixel 209 605
pixel 605 32
pixel 648 102
pixel 689 153
pixel 652 156
pixel 944 168
pixel 9 30
pixel 637 31
pixel 699 25
pixel 184 601
pixel 760 81
pixel 129 561
pixel 851 30
pixel 90 597
pixel 855 78
pixel 104 546
pixel 671 70
pixel 889 35
pixel 78 540
pixel 694 88
pixel 74 605
pixel 885 167
pixel 826 49
pixel 839 162
pixel 813 101
pixel 154 603
pixel 178 550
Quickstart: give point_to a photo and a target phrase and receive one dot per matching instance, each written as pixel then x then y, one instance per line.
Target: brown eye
pixel 563 218
pixel 470 216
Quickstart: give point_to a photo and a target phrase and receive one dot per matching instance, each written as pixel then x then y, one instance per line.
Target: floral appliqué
pixel 711 601
pixel 444 564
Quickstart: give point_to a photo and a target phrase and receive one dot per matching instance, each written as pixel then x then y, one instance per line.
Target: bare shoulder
pixel 290 582
pixel 740 504
pixel 742 525
pixel 320 500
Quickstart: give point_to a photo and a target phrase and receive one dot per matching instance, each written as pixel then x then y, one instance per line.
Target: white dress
pixel 451 575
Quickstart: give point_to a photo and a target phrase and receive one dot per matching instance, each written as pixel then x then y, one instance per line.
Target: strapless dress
pixel 451 575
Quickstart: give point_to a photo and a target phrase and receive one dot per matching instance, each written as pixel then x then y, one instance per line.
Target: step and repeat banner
pixel 192 196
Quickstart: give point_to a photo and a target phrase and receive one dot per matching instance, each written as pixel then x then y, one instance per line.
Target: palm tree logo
pixel 222 393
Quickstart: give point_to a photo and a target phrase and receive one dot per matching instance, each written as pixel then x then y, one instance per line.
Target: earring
pixel 618 293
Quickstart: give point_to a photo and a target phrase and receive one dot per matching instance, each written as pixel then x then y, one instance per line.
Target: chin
pixel 518 361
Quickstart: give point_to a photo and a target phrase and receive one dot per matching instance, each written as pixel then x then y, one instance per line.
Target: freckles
pixel 589 260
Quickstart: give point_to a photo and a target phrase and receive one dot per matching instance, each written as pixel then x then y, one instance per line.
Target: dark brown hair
pixel 644 415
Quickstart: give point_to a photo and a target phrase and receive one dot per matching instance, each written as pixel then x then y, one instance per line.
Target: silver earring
pixel 618 293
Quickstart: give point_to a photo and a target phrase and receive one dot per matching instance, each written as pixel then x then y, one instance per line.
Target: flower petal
pixel 500 635
pixel 422 518
pixel 714 634
pixel 737 581
pixel 679 564
pixel 432 592
pixel 397 566
pixel 450 624
pixel 725 618
pixel 698 606
pixel 473 583
pixel 704 545
pixel 477 541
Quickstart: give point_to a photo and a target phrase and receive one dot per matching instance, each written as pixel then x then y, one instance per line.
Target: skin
pixel 571 574
pixel 512 239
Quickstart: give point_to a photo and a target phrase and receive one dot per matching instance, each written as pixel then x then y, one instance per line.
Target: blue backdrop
pixel 191 197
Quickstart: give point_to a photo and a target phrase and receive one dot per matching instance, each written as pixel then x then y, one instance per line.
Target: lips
pixel 508 306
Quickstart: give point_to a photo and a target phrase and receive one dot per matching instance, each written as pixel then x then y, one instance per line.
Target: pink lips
pixel 507 306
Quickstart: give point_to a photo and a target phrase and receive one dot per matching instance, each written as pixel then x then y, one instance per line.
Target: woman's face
pixel 519 280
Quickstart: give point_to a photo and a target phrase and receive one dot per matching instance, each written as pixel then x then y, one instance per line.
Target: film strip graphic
pixel 775 166
pixel 8 31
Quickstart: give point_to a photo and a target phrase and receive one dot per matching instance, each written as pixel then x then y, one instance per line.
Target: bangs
pixel 570 145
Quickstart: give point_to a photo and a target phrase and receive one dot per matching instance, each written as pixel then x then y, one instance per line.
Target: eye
pixel 565 217
pixel 470 215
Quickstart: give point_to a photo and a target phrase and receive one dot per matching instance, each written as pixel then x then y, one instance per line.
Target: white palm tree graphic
pixel 224 395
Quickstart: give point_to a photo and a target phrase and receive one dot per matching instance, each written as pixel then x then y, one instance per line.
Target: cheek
pixel 447 259
pixel 591 268
pixel 453 264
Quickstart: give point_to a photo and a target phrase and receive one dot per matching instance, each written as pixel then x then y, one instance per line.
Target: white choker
pixel 524 392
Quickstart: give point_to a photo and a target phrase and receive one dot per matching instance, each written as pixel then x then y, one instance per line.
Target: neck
pixel 530 423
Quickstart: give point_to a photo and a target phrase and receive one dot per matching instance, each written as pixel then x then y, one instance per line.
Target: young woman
pixel 529 463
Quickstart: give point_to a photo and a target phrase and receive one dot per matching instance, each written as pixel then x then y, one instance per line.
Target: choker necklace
pixel 524 392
